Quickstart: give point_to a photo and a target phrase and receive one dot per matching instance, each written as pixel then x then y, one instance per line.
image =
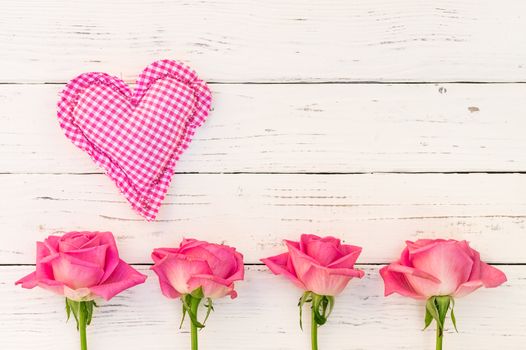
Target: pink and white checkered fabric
pixel 136 136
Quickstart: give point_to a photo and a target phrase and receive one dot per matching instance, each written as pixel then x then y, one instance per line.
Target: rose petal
pixel 52 244
pixel 396 282
pixel 160 253
pixel 29 281
pixel 320 280
pixel 446 261
pixel 354 273
pixel 467 288
pixel 168 291
pixel 213 287
pixel 75 273
pixel 43 270
pixel 239 270
pixel 51 285
pixel 75 240
pixel 94 255
pixel 112 254
pixel 351 254
pixel 281 265
pixel 123 277
pixel 189 243
pixel 422 282
pixel 324 252
pixel 411 271
pixel 307 238
pixel 422 244
pixel 220 258
pixel 94 239
pixel 176 269
pixel 491 276
pixel 301 261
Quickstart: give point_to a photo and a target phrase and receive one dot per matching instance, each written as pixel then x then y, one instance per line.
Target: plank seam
pixel 488 172
pixel 307 82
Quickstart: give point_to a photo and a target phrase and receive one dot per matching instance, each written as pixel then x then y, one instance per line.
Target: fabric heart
pixel 136 136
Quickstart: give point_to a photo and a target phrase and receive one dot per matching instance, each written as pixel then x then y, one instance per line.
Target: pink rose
pixel 439 268
pixel 320 265
pixel 195 264
pixel 81 266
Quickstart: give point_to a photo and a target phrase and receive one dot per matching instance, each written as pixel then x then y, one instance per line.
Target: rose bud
pixel 439 270
pixel 322 267
pixel 197 270
pixel 81 266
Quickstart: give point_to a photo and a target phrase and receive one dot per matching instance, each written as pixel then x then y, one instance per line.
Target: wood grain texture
pixel 304 128
pixel 264 317
pixel 239 41
pixel 255 212
pixel 299 141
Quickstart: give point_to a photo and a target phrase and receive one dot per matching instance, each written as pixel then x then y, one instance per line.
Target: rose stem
pixel 440 336
pixel 314 330
pixel 442 303
pixel 194 304
pixel 83 314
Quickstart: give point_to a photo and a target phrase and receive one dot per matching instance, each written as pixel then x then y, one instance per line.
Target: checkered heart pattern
pixel 136 136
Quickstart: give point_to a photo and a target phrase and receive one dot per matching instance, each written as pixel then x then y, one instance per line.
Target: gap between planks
pixel 293 173
pixel 305 82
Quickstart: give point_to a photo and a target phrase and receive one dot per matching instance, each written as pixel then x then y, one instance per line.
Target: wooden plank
pixel 305 128
pixel 255 212
pixel 141 318
pixel 238 41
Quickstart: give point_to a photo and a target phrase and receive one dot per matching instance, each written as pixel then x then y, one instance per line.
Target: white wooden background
pixel 374 120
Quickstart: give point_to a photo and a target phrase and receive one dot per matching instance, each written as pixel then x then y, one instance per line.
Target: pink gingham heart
pixel 136 136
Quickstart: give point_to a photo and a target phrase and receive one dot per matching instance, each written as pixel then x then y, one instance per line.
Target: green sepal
pixel 304 299
pixel 198 293
pixel 322 306
pixel 432 311
pixel 68 310
pixel 428 319
pixel 453 318
pixel 75 307
pixel 442 303
pixel 331 304
pixel 184 315
pixel 437 308
pixel 187 300
pixel 209 308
